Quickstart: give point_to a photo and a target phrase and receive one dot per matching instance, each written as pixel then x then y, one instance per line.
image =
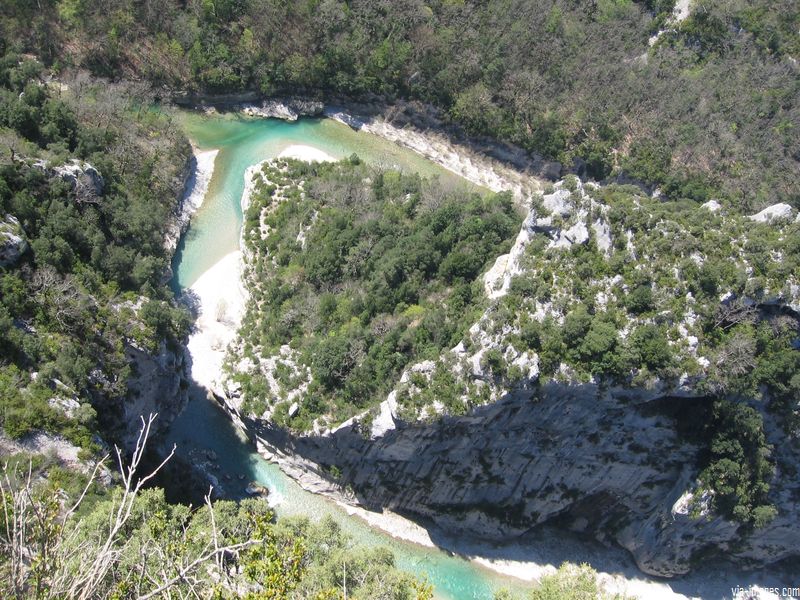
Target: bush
pixel 570 582
pixel 651 347
pixel 739 470
pixel 640 299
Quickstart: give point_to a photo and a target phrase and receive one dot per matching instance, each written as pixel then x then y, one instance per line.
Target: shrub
pixel 739 469
pixel 640 299
pixel 650 344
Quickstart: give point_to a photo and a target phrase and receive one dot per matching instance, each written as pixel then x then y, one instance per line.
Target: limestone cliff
pixel 543 425
pixel 158 384
pixel 606 463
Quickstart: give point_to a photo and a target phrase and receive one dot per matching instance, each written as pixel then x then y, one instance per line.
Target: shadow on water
pixel 209 449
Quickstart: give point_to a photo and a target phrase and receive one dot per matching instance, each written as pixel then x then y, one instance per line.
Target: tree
pixel 599 347
pixel 571 582
pixel 640 300
pixel 333 359
pixel 45 552
pixel 739 469
pixel 576 325
pixel 651 347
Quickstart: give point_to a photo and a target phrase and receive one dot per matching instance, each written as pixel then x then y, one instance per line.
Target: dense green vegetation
pixel 625 310
pixel 710 110
pixel 739 467
pixel 572 582
pixel 383 279
pixel 659 305
pixel 368 289
pixel 359 274
pixel 130 543
pixel 90 278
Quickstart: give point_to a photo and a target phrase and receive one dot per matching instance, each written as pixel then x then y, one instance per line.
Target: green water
pixel 213 233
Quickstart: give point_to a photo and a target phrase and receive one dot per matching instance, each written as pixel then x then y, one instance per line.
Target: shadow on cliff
pixel 560 473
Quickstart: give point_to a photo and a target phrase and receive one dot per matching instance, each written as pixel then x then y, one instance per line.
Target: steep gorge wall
pixel 160 380
pixel 606 463
pixel 158 384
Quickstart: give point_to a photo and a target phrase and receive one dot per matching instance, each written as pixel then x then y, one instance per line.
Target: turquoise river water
pixel 213 233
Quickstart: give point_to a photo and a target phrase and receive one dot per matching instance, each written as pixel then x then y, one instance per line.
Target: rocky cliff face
pixel 158 385
pixel 13 242
pixel 609 464
pixel 195 179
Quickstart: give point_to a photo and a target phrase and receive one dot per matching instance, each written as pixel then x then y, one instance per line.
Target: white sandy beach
pixel 306 153
pixel 220 302
pixel 219 292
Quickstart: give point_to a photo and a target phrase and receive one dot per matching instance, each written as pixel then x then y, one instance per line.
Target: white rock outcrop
pixel 13 242
pixel 84 178
pixel 776 212
pixel 289 109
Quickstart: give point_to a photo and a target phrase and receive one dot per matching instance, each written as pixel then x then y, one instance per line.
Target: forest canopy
pixel 709 110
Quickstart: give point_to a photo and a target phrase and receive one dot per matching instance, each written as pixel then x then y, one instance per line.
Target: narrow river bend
pixel 203 429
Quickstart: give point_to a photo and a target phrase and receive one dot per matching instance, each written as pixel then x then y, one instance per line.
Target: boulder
pixel 776 212
pixel 13 242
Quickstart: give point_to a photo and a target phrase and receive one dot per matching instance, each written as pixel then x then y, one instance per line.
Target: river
pixel 212 234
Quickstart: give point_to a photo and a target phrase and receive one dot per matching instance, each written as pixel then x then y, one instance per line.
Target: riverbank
pixel 201 170
pixel 435 146
pixel 218 296
pixel 219 301
pixel 485 163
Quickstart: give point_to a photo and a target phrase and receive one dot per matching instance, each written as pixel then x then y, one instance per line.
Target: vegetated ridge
pixel 708 108
pixel 640 328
